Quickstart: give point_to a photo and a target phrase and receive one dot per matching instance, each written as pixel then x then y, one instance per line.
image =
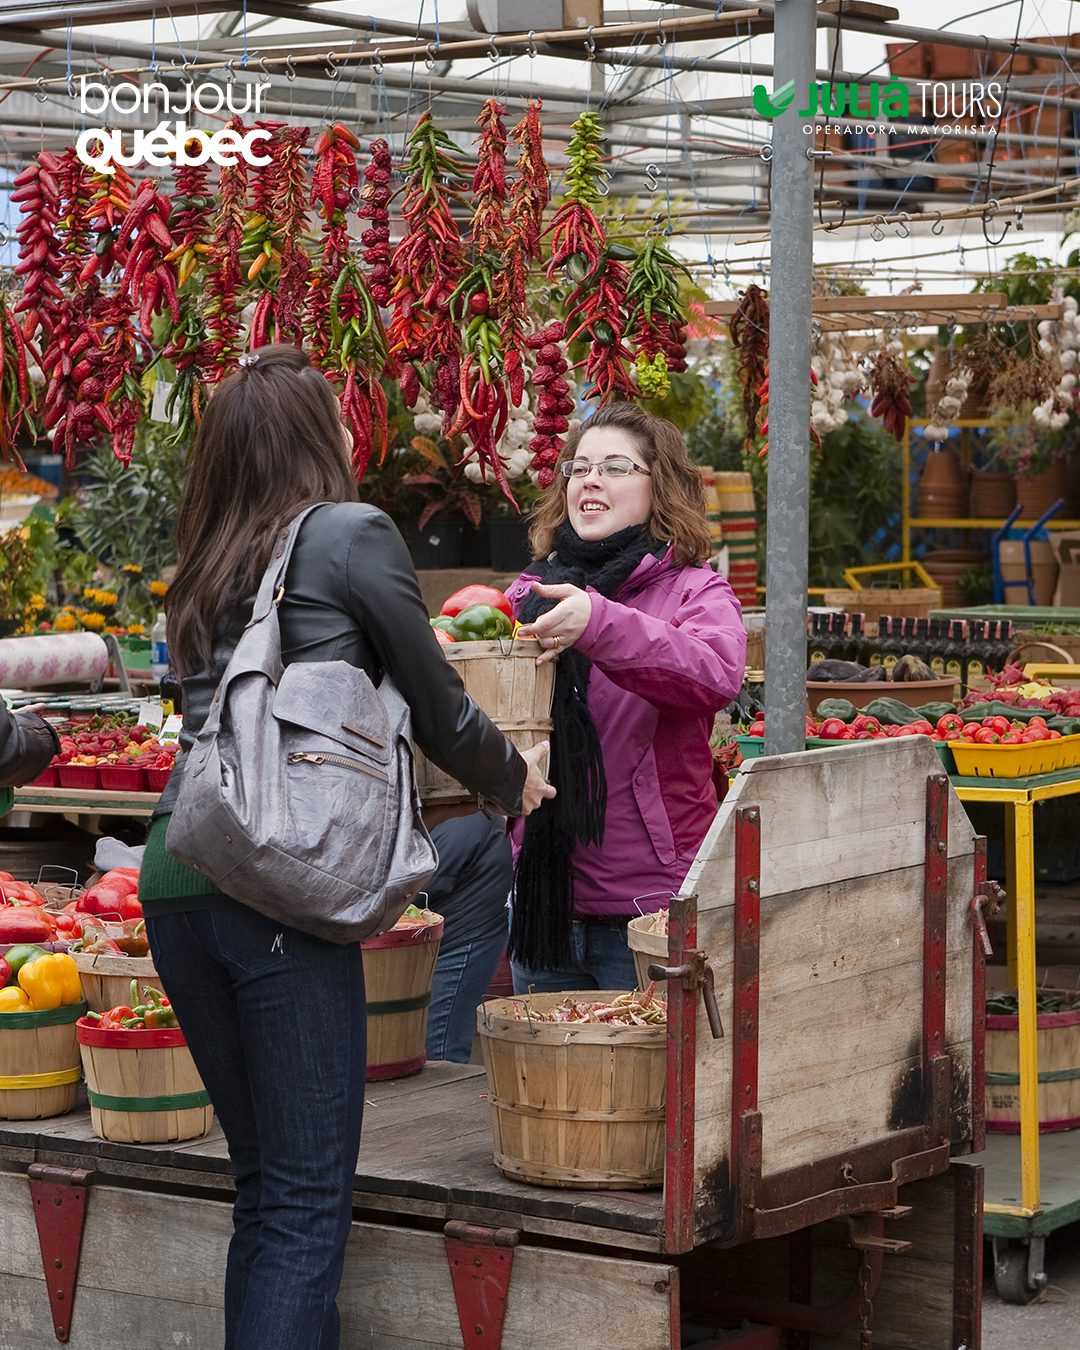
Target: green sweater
pixel 167 886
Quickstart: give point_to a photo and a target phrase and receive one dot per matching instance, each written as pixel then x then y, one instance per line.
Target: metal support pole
pixel 792 260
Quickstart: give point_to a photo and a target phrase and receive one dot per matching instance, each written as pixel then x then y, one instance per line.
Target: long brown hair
pixel 270 443
pixel 678 497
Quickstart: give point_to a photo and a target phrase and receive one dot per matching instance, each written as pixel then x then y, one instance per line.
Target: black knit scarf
pixel 543 894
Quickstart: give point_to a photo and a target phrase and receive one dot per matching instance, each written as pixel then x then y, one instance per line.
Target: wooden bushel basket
pixel 398 970
pixel 648 948
pixel 39 1062
pixel 143 1086
pixel 106 980
pixel 504 679
pixel 1058 1053
pixel 574 1105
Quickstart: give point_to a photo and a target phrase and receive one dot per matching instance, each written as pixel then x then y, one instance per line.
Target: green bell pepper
pixel 480 623
pixel 443 621
pixel 22 955
pixel 836 707
pixel 890 712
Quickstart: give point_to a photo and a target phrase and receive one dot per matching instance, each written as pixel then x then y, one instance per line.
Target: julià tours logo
pixel 890 102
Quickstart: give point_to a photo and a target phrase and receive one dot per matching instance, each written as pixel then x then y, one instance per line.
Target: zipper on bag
pixel 318 757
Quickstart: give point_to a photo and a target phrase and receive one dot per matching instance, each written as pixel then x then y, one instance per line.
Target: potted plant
pixel 1034 456
pixel 430 500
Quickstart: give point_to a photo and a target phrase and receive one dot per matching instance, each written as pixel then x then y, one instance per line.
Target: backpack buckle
pixel 280 595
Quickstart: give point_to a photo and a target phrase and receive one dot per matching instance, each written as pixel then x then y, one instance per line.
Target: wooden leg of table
pixel 1023 888
pixel 1010 889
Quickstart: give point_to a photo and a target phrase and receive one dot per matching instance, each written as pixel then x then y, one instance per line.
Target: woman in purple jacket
pixel 650 645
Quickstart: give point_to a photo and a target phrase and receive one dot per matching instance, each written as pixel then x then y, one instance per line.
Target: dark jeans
pixel 276 1024
pixel 602 960
pixel 470 890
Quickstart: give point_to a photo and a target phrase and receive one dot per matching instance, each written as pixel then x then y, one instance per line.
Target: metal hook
pixel 902 231
pixel 41 93
pixel 493 51
pixel 429 59
pixel 377 63
pixel 652 177
pixel 987 216
pixel 877 232
pixel 72 91
pixel 603 188
pixel 661 36
pixel 835 224
pixel 938 226
pixel 590 44
pixel 230 74
pixel 1019 213
pixel 766 152
pixel 331 67
pixel 290 69
pixel 264 67
pixel 530 50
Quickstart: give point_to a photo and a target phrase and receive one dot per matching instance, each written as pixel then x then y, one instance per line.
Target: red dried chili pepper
pixel 150 281
pixel 375 195
pixel 40 265
pixel 222 311
pixel 528 200
pixel 428 263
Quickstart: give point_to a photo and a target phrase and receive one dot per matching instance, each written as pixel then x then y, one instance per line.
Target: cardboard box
pixel 1066 546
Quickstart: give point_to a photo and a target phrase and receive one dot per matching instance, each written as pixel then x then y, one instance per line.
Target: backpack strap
pixel 274 576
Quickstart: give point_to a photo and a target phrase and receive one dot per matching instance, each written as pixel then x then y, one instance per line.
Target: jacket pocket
pixel 653 810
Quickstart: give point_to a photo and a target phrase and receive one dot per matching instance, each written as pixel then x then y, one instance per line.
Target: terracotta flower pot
pixel 1036 493
pixel 993 495
pixel 943 487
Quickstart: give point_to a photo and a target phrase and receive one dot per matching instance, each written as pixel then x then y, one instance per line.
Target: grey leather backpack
pixel 298 796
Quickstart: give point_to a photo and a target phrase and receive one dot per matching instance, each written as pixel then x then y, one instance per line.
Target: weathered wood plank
pixel 167 1255
pixel 851 811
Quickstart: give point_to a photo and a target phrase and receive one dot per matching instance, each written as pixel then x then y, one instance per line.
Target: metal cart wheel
pixel 1018 1268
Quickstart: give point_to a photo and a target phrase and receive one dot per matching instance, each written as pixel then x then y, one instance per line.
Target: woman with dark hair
pixel 650 646
pixel 274 1017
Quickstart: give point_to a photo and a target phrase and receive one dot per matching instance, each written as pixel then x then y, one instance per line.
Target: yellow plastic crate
pixel 1015 761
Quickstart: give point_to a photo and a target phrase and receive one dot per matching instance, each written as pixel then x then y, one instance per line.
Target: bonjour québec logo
pixel 886 104
pixel 172 140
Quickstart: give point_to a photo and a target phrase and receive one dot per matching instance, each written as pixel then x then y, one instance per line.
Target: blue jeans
pixel 469 889
pixel 602 960
pixel 275 1020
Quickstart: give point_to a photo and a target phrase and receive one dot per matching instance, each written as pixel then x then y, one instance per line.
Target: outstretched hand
pixel 562 625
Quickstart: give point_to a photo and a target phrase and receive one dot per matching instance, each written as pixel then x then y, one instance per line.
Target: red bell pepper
pixel 476 595
pixel 24 923
pixel 5 972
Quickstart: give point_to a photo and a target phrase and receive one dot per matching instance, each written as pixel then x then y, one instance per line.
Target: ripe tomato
pixel 1015 738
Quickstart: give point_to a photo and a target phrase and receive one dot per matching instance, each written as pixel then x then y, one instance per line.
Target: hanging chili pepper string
pixel 16 407
pixel 529 197
pixel 656 318
pixel 334 180
pixel 483 410
pixel 375 209
pixel 222 311
pixel 188 349
pixel 428 264
pixel 37 195
pixel 595 307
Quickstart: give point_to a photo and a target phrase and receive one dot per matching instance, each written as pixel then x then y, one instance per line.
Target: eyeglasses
pixel 617 467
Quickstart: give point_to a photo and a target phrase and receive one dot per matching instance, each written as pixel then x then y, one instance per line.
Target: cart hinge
pixel 481 1263
pixel 990 897
pixel 59 1198
pixel 692 975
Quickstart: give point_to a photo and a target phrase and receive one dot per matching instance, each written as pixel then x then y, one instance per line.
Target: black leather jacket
pixel 351 595
pixel 27 744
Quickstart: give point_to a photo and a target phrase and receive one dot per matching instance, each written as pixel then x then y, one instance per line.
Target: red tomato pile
pixel 952 727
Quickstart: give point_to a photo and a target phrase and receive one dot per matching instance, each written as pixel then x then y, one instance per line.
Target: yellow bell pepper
pixel 12 999
pixel 51 980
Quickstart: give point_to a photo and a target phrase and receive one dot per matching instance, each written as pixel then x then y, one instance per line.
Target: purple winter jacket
pixel 667 653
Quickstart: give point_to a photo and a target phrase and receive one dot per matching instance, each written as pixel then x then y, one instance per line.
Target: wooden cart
pixel 824 1063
